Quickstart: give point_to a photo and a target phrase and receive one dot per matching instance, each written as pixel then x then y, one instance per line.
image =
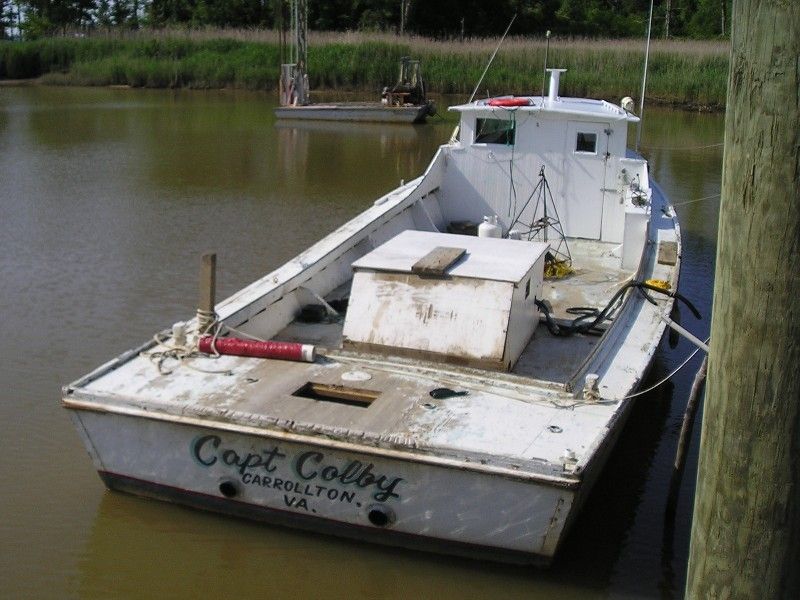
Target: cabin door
pixel 583 190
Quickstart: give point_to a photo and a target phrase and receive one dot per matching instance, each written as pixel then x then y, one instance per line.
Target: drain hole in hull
pixel 229 489
pixel 380 516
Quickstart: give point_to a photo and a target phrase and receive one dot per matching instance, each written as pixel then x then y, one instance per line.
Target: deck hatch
pixel 477 314
pixel 341 394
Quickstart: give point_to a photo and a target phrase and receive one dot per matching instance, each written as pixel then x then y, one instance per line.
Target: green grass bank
pixel 687 73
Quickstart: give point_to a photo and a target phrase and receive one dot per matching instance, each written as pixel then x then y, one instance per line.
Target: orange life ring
pixel 510 101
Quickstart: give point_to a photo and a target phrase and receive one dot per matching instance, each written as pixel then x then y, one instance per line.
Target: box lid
pixel 491 259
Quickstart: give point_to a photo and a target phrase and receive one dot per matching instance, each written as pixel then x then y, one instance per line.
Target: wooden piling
pixel 745 540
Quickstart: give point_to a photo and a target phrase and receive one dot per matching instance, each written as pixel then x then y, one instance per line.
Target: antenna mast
pixel 454 135
pixel 544 70
pixel 294 80
pixel 489 64
pixel 558 260
pixel 644 78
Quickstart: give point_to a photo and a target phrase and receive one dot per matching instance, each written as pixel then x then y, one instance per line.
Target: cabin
pixel 599 192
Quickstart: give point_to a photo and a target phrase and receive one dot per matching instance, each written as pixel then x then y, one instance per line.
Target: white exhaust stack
pixel 555 76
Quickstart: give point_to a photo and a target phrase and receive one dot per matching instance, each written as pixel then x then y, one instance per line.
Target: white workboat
pixel 440 410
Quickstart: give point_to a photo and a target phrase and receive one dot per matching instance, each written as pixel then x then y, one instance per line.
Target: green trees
pixel 215 13
pixel 438 18
pixel 710 18
pixel 7 18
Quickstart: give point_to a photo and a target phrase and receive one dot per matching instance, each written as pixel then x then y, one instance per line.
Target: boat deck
pixel 269 395
pixel 530 405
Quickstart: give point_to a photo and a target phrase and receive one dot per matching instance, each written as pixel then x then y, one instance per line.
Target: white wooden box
pixel 481 312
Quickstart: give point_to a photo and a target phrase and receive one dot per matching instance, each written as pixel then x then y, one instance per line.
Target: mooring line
pixel 683 147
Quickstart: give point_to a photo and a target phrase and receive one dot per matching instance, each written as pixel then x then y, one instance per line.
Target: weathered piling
pixel 745 539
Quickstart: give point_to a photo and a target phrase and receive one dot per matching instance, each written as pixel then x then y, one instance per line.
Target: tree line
pixel 29 19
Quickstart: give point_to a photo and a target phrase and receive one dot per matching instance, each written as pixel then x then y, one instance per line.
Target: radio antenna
pixel 489 64
pixel 644 79
pixel 544 70
pixel 454 135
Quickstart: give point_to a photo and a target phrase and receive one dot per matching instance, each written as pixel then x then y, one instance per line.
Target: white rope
pixel 181 354
pixel 571 405
pixel 665 379
pixel 243 333
pixel 685 147
pixel 696 200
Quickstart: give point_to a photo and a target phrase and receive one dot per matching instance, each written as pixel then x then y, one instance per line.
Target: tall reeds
pixel 681 72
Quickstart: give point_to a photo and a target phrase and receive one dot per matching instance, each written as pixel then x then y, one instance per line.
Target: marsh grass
pixel 681 72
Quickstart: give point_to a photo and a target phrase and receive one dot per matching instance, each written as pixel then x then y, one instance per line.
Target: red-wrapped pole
pixel 240 347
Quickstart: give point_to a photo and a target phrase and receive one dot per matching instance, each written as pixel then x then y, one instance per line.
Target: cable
pixel 684 148
pixel 695 200
pixel 665 379
pixel 243 333
pixel 512 191
pixel 579 324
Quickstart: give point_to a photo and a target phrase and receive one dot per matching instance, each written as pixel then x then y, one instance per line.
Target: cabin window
pixel 586 142
pixel 494 131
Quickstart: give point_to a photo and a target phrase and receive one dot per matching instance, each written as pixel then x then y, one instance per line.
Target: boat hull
pixel 375 113
pixel 360 495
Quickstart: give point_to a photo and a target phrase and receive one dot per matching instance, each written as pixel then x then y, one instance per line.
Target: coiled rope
pixel 168 356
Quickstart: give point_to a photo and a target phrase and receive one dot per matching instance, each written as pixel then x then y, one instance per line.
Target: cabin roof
pixel 596 110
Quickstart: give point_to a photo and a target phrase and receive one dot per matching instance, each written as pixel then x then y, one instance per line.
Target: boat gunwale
pixel 597 452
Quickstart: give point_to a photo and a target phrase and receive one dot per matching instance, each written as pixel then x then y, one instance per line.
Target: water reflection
pixel 313 142
pixel 108 197
pixel 188 553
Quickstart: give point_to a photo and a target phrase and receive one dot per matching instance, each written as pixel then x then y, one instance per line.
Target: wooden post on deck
pixel 745 539
pixel 208 291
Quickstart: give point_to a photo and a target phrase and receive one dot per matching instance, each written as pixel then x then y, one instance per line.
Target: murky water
pixel 107 199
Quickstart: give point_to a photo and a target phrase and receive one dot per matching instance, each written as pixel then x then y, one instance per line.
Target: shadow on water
pixel 220 554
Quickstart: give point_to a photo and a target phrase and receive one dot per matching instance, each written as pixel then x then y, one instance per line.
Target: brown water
pixel 107 199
